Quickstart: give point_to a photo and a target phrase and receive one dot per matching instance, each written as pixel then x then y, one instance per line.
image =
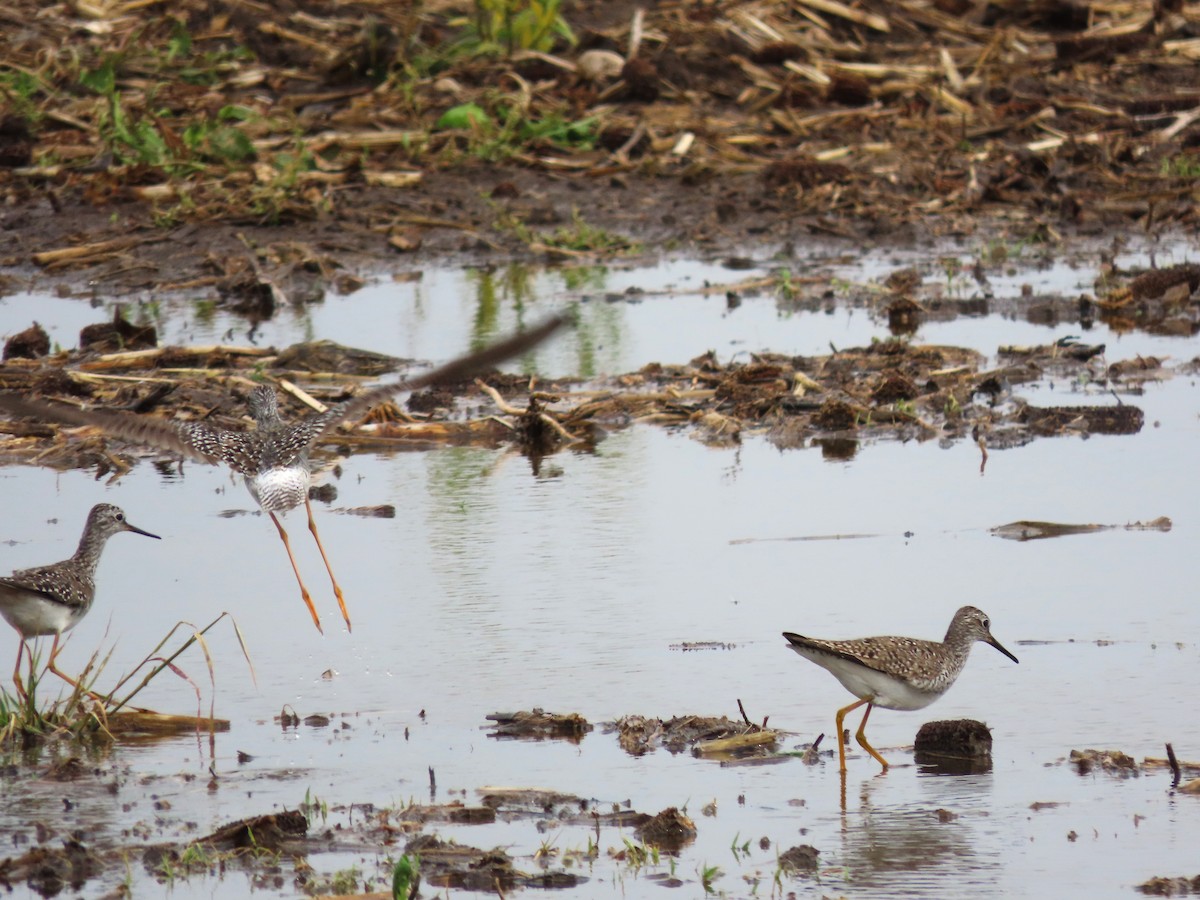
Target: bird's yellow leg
pixel 841 717
pixel 337 591
pixel 51 666
pixel 17 672
pixel 304 595
pixel 861 735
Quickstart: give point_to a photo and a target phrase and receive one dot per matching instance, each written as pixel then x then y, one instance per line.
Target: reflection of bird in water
pixel 273 457
pixel 896 672
pixel 53 599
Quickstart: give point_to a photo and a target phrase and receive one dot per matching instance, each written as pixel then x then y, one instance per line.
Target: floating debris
pixel 639 735
pixel 1054 420
pixel 1112 762
pixel 1170 887
pixel 381 511
pixel 730 745
pixel 1026 530
pixel 143 723
pixel 689 646
pixel 539 725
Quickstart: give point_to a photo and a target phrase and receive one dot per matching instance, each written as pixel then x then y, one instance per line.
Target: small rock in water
pixel 799 859
pixel 958 738
pixel 670 830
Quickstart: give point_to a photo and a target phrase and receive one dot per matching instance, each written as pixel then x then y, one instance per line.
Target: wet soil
pixel 721 125
pixel 258 843
pixel 273 848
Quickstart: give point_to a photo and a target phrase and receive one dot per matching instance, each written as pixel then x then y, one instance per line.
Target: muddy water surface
pixel 494 589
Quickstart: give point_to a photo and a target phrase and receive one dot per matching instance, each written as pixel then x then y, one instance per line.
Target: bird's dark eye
pixel 120 517
pixel 987 624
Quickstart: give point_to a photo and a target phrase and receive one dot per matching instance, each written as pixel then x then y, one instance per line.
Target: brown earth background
pixel 159 146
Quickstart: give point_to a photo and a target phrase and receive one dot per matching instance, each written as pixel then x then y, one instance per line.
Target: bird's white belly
pixel 870 684
pixel 278 490
pixel 32 615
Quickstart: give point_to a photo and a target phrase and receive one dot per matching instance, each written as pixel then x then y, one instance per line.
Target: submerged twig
pixel 742 710
pixel 1174 764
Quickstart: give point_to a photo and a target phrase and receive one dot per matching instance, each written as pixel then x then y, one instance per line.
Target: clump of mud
pixel 670 830
pixel 1111 762
pixel 802 858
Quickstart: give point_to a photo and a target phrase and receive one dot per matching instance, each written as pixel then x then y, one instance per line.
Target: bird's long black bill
pixel 137 530
pixel 995 643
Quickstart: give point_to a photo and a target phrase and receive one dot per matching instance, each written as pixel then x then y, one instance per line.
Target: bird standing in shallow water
pixel 896 672
pixel 273 458
pixel 53 599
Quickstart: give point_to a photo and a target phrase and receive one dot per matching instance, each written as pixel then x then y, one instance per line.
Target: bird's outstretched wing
pixel 194 439
pixel 447 373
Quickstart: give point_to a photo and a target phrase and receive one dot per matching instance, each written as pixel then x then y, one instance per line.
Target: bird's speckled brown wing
pixel 915 660
pixel 57 582
pixel 193 439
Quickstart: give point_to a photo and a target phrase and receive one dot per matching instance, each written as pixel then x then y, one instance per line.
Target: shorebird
pixel 896 672
pixel 53 599
pixel 274 457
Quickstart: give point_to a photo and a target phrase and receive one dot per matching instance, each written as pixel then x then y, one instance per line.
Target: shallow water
pixel 494 589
